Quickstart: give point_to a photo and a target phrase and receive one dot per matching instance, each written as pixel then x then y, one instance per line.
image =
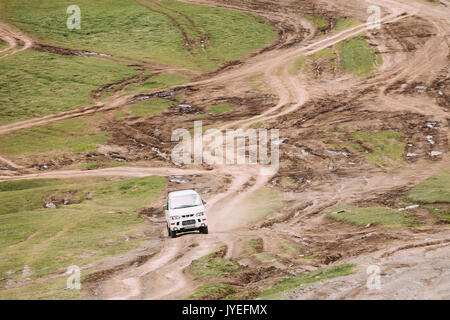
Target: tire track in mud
pixel 132 284
pixel 187 41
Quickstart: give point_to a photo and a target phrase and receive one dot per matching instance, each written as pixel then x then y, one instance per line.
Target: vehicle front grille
pixel 188 222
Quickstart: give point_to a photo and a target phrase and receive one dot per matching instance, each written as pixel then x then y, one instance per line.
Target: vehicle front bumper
pixel 179 227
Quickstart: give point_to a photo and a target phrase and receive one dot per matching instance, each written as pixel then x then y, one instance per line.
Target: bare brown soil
pixel 408 94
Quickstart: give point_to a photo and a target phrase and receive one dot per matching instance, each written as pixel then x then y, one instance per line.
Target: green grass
pixel 387 147
pixel 150 107
pixel 290 249
pixel 253 246
pixel 358 57
pixel 213 291
pixel 35 84
pixel 160 81
pixel 265 258
pixel 54 289
pixel 213 265
pixel 262 203
pixel 221 108
pixel 49 240
pixel 326 56
pixel 76 135
pixel 372 215
pixel 441 213
pixel 2 44
pixel 433 190
pixel 319 22
pixel 96 165
pixel 345 23
pixel 293 283
pixel 131 29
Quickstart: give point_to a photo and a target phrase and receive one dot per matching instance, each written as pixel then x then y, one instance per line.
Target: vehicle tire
pixel 204 230
pixel 169 232
pixel 173 234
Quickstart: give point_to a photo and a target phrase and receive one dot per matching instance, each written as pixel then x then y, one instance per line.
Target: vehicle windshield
pixel 185 201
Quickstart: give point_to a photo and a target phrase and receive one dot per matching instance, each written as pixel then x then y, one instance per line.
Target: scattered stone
pixel 177 179
pixel 410 155
pixel 409 207
pixel 435 153
pixel 50 205
pixel 430 140
pixel 337 212
pixel 339 153
pixel 280 141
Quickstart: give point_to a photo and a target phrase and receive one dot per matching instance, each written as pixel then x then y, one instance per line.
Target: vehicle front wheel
pixel 204 230
pixel 173 234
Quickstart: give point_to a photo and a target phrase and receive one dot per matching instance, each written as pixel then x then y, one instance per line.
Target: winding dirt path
pixel 163 276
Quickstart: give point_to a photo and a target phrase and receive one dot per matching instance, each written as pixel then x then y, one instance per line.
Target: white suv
pixel 185 211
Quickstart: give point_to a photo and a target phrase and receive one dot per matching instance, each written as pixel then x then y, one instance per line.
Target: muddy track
pixel 154 279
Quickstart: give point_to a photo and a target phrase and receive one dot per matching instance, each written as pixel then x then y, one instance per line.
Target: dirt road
pixel 164 276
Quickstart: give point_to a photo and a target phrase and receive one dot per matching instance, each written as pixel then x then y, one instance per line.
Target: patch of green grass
pixel 371 215
pixel 221 108
pixel 442 213
pixel 387 147
pixel 262 203
pixel 54 289
pixel 319 22
pixel 345 23
pixel 243 295
pixel 290 248
pixel 253 246
pixel 135 29
pixel 358 57
pixel 3 44
pixel 150 107
pixel 48 240
pixel 120 114
pixel 265 257
pixel 326 56
pixel 213 265
pixel 35 84
pixel 290 284
pixel 201 116
pixel 76 135
pixel 433 190
pixel 213 291
pixel 96 165
pixel 160 81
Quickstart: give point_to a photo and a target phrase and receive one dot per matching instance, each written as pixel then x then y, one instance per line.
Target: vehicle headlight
pixel 175 217
pixel 200 214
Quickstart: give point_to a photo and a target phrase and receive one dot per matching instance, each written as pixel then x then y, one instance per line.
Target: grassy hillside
pixel 35 84
pixel 54 139
pixel 148 30
pixel 87 228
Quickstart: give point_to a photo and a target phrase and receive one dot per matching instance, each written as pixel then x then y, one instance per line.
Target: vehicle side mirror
pixel 165 207
pixel 204 201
